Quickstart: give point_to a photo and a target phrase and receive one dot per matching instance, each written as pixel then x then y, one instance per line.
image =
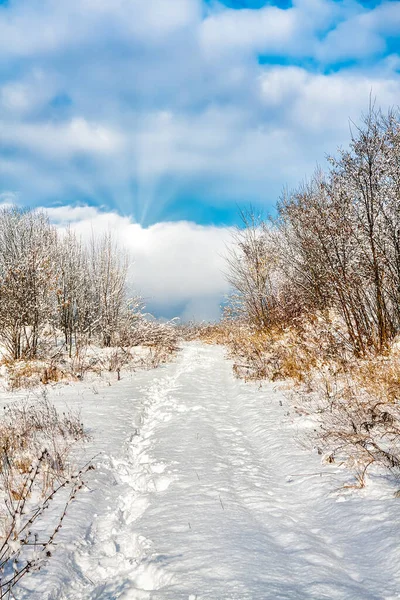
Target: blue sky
pixel 172 110
pixel 181 109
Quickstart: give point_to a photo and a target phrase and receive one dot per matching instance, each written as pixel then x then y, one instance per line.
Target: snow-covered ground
pixel 203 491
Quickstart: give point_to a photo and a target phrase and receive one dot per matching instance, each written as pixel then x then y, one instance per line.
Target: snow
pixel 203 492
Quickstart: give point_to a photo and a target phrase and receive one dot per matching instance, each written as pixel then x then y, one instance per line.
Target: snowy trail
pixel 204 493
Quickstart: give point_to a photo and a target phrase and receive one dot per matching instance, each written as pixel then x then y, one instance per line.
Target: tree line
pixel 334 245
pixel 54 286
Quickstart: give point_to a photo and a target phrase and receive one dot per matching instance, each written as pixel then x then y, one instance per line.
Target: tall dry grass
pixel 353 402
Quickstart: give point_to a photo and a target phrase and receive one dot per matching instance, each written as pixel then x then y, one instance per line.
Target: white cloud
pixel 173 264
pixel 15 97
pixel 64 139
pixel 267 29
pixel 8 199
pixel 321 105
pixel 165 102
pixel 23 95
pixel 363 34
pixel 271 30
pixel 66 215
pixel 43 26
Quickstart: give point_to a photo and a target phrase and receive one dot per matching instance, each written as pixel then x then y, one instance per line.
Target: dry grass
pixel 35 468
pixel 353 426
pixel 153 351
pixel 25 374
pixel 354 403
pixel 223 333
pixel 26 428
pixel 269 354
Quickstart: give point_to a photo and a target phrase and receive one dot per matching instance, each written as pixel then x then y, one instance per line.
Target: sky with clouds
pixel 162 116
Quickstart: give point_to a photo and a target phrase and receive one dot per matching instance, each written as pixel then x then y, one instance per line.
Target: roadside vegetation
pixel 316 299
pixel 64 307
pixel 38 482
pixel 65 315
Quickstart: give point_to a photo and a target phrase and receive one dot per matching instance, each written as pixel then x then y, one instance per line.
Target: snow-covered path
pixel 204 492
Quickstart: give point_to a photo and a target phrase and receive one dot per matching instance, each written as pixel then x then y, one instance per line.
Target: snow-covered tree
pixel 72 288
pixel 335 243
pixel 27 278
pixel 251 266
pixel 108 268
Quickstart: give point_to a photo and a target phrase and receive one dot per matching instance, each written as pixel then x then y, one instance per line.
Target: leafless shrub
pixel 147 331
pixel 36 442
pixel 357 429
pixel 282 352
pixel 251 271
pixel 27 374
pixel 25 544
pixel 191 331
pixel 223 332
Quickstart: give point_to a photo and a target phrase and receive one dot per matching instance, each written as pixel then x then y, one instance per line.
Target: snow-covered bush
pixel 150 332
pixel 356 429
pixel 28 426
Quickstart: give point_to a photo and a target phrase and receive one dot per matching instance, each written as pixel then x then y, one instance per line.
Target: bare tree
pixel 335 244
pixel 250 269
pixel 72 288
pixel 342 232
pixel 27 275
pixel 108 272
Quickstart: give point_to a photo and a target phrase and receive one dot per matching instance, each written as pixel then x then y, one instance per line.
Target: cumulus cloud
pixel 268 29
pixel 362 35
pixel 321 104
pixel 175 266
pixel 43 26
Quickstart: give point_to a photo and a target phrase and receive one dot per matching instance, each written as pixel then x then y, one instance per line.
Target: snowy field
pixel 203 491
